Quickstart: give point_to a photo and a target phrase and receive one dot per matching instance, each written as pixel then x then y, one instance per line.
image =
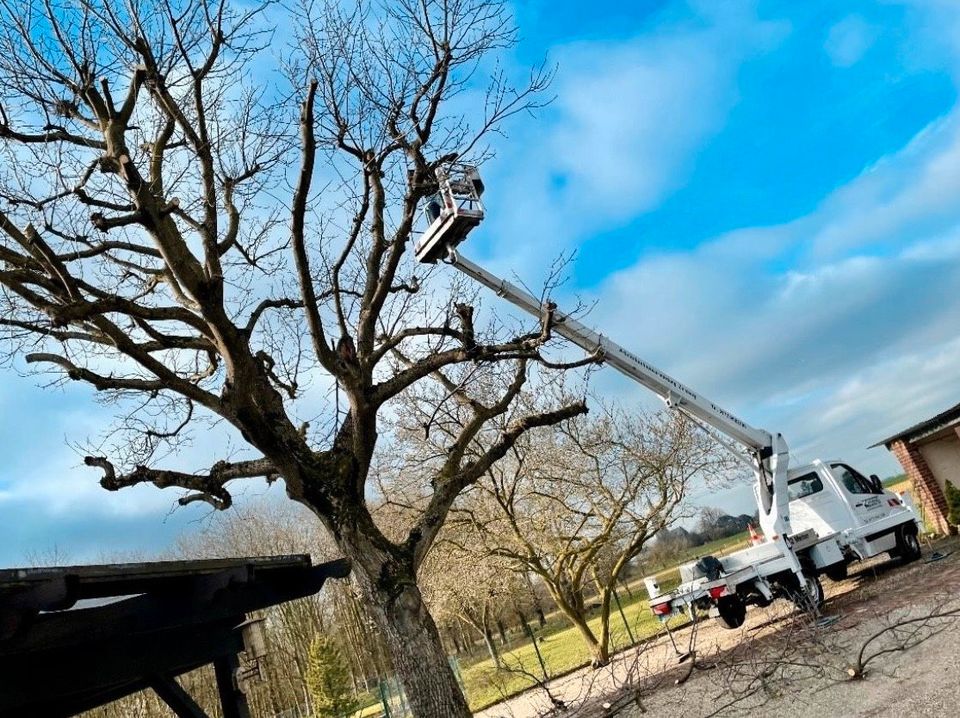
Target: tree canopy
pixel 205 219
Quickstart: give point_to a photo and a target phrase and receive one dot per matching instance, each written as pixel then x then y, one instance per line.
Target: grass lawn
pixel 891 481
pixel 374 709
pixel 563 650
pixel 714 548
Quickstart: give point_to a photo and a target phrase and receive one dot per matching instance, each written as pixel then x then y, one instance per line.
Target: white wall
pixel 943 457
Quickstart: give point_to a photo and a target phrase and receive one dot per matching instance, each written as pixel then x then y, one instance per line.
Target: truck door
pixel 815 505
pixel 866 503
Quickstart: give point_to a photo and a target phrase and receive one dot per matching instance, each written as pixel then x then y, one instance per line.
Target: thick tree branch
pixel 298 214
pixel 431 520
pixel 51 135
pixel 99 382
pixel 209 487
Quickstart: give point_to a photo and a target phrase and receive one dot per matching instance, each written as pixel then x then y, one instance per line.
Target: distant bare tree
pixel 200 237
pixel 663 553
pixel 54 555
pixel 473 587
pixel 576 507
pixel 710 524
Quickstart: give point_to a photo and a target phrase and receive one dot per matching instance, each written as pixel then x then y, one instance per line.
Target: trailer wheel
pixel 908 545
pixel 733 611
pixel 808 597
pixel 837 572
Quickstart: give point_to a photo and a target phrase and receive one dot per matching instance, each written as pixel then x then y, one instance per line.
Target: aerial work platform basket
pixel 451 213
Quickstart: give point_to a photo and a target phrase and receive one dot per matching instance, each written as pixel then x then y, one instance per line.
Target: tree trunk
pixel 598 648
pixel 541 618
pixel 491 646
pixel 409 632
pixel 577 615
pixel 452 637
pixel 503 632
pixel 465 638
pixel 537 606
pixel 482 626
pixel 604 640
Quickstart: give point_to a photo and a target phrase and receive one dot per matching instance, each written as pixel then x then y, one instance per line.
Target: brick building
pixel 929 453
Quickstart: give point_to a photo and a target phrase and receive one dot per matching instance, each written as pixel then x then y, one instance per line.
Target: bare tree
pixel 198 239
pixel 577 506
pixel 476 588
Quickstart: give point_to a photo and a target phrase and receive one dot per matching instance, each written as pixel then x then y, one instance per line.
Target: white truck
pixel 815 519
pixel 837 515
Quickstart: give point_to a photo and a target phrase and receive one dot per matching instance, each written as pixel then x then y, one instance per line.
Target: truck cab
pixel 832 497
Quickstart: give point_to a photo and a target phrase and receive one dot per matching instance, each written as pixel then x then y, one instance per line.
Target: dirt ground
pixel 786 664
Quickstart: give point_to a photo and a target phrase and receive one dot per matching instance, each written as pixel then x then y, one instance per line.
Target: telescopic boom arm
pixel 675 394
pixel 457 209
pixel 767 453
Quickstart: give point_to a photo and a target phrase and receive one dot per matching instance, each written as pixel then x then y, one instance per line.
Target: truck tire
pixel 837 572
pixel 733 611
pixel 908 544
pixel 808 597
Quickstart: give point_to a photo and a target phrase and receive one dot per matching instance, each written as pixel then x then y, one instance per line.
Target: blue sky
pixel 763 201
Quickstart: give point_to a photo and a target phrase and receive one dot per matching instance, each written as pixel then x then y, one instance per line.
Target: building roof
pixel 149 622
pixel 927 426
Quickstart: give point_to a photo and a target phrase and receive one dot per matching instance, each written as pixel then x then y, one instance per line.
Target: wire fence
pixel 394 700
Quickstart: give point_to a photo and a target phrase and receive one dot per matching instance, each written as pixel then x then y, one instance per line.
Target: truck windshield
pixel 852 479
pixel 805 485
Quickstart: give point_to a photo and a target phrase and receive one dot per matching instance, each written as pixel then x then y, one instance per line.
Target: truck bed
pixel 748 564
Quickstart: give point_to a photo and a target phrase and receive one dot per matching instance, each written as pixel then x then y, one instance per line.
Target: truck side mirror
pixel 877 484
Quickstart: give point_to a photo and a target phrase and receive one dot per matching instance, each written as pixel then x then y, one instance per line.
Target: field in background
pixel 900 486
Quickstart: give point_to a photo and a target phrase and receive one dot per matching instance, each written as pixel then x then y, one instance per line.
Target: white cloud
pixel 849 40
pixel 899 389
pixel 626 128
pixel 876 402
pixel 623 133
pixel 908 194
pixel 840 349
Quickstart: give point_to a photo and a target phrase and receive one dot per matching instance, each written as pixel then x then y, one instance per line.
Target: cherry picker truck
pixel 816 518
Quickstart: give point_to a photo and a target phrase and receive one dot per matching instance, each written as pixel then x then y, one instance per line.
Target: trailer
pixel 815 519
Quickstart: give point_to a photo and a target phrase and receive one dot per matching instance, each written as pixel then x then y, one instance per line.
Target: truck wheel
pixel 733 611
pixel 908 545
pixel 810 596
pixel 837 572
